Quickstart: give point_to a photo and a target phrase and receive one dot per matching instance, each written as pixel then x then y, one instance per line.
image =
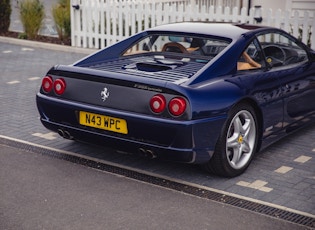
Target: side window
pixel 251 58
pixel 280 50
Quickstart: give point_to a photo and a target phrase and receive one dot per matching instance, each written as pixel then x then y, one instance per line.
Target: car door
pixel 289 61
pixel 264 86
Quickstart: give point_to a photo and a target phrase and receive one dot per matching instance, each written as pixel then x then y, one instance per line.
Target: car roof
pixel 227 30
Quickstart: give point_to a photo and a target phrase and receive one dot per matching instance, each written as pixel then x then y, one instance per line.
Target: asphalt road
pixel 40 192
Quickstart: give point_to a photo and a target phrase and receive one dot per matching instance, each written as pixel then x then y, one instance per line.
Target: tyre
pixel 237 143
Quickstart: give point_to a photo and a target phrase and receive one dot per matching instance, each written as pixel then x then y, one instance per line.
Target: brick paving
pixel 283 174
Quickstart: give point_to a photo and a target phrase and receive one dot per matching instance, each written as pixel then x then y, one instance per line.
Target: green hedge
pixel 5 13
pixel 32 15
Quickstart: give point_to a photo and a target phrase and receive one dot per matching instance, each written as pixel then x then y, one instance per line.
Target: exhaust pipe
pixel 151 154
pixel 65 134
pixel 147 153
pixel 61 132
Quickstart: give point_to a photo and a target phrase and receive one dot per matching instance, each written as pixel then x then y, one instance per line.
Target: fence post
pixel 286 21
pixel 211 13
pixel 313 33
pixel 295 24
pixel 277 21
pixel 102 24
pixel 305 27
pixel 203 13
pixel 243 18
pixel 234 14
pixel 76 26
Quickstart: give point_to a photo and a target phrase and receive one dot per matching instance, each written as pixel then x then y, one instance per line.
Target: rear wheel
pixel 237 143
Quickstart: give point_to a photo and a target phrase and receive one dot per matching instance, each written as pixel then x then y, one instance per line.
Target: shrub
pixel 5 13
pixel 32 15
pixel 61 15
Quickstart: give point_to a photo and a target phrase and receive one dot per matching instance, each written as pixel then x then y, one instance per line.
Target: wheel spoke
pixel 246 147
pixel 246 127
pixel 236 155
pixel 232 141
pixel 246 138
pixel 237 124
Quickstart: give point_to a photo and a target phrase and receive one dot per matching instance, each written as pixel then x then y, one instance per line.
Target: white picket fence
pixel 100 23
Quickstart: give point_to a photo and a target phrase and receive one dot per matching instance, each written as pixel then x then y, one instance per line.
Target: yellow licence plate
pixel 103 122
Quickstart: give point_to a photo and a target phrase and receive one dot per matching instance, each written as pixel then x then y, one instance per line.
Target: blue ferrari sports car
pixel 206 93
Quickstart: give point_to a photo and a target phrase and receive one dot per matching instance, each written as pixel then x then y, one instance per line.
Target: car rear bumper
pixel 182 141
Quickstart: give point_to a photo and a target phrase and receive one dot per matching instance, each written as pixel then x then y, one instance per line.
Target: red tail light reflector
pixel 158 103
pixel 47 84
pixel 59 86
pixel 177 106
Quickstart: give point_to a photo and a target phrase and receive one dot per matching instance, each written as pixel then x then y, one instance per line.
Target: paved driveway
pixel 283 175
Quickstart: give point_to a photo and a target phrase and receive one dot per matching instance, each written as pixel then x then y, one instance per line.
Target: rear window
pixel 184 45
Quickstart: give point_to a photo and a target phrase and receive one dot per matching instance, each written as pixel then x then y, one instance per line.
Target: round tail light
pixel 59 86
pixel 177 106
pixel 47 84
pixel 158 103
